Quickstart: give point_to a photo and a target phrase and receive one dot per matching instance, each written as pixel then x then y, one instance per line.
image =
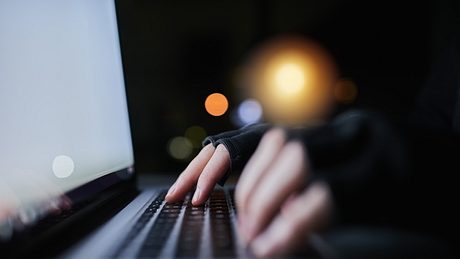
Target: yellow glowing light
pixel 289 79
pixel 196 135
pixel 293 79
pixel 180 148
pixel 216 104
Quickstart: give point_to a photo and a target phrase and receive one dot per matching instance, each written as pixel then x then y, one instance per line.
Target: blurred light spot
pixel 345 91
pixel 289 78
pixel 293 78
pixel 63 166
pixel 180 148
pixel 249 112
pixel 216 104
pixel 196 135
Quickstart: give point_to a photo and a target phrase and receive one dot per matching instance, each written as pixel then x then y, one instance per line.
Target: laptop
pixel 68 187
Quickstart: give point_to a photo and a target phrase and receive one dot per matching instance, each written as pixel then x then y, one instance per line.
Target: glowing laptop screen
pixel 63 111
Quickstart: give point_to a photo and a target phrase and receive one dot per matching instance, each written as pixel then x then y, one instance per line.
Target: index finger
pixel 213 171
pixel 188 178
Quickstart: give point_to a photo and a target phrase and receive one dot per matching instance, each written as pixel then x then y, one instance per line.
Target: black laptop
pixel 67 180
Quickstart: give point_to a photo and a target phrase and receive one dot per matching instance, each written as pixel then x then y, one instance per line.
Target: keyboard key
pixel 221 229
pixel 141 222
pixel 191 231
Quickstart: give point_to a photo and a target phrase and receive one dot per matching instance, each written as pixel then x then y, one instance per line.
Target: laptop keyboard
pixel 221 229
pixel 191 231
pixel 191 221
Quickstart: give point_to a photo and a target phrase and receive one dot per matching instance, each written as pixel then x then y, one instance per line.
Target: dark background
pixel 176 53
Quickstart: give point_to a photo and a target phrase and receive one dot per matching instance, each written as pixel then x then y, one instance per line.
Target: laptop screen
pixel 63 111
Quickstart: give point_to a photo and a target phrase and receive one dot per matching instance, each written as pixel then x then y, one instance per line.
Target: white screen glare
pixel 63 111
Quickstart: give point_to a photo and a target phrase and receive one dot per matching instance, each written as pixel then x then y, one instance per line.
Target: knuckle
pixel 294 148
pixel 205 150
pixel 277 134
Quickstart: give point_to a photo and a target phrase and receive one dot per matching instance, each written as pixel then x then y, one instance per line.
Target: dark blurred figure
pixel 384 184
pixel 383 190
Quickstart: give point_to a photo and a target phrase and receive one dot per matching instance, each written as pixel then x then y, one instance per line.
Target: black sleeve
pixel 437 105
pixel 240 144
pixel 404 177
pixel 433 137
pixel 357 154
pixel 362 159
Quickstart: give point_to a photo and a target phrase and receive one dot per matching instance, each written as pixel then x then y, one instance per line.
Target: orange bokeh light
pixel 216 104
pixel 345 91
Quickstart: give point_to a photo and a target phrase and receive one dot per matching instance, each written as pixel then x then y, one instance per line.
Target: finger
pixel 268 149
pixel 188 178
pixel 286 176
pixel 213 171
pixel 306 213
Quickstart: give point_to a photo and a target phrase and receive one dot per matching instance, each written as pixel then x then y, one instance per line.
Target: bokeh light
pixel 249 112
pixel 180 148
pixel 289 79
pixel 216 104
pixel 345 91
pixel 293 78
pixel 195 134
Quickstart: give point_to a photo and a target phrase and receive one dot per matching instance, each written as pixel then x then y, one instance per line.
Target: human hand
pixel 204 170
pixel 275 210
